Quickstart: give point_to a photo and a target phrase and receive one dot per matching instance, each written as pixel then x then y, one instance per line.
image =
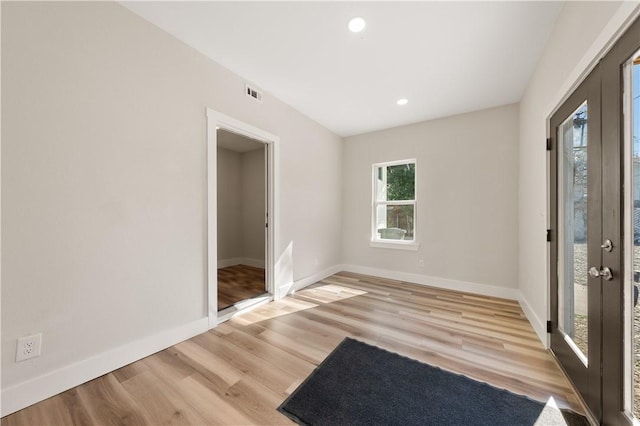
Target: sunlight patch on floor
pixel 329 293
pixel 305 299
pixel 271 310
pixel 551 415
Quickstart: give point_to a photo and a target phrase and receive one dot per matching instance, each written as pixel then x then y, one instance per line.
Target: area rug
pixel 360 384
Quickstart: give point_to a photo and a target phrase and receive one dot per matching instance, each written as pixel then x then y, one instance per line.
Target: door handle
pixel 604 273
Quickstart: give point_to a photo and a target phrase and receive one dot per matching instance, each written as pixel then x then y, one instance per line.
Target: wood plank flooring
pixel 239 372
pixel 239 282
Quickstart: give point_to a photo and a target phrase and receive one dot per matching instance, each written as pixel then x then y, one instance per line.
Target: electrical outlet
pixel 28 347
pixel 421 263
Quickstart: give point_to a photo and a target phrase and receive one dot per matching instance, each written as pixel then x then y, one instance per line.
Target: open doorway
pixel 218 123
pixel 242 216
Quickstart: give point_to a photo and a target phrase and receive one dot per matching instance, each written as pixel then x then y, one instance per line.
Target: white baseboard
pixel 446 283
pixel 27 393
pixel 255 263
pixel 225 263
pixel 311 279
pixel 538 325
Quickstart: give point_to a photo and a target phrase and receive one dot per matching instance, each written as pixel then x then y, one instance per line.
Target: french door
pixel 595 230
pixel 576 336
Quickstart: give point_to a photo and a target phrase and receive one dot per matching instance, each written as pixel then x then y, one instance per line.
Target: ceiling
pixel 444 57
pixel 238 143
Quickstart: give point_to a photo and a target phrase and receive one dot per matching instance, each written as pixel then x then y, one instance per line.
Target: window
pixel 394 203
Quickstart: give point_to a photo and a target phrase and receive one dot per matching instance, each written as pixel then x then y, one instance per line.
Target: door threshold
pixel 243 306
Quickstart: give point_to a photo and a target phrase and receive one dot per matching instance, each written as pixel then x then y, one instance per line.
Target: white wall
pixel 467 180
pixel 253 205
pixel 103 189
pixel 229 205
pixel 581 32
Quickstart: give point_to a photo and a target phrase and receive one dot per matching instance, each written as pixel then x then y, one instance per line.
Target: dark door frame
pixel 585 378
pixel 611 85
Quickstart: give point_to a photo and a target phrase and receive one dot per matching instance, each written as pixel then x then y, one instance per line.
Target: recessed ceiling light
pixel 402 101
pixel 357 24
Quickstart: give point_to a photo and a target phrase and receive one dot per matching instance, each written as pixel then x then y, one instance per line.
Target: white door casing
pixel 215 121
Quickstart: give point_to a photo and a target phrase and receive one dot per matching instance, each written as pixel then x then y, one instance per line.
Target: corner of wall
pixel 535 321
pixel 312 279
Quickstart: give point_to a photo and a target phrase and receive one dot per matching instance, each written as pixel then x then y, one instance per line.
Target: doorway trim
pixel 216 120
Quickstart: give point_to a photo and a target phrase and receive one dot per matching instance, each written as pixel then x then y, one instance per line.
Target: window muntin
pixel 394 202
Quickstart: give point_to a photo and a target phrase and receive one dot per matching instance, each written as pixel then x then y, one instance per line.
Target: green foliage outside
pixel 401 182
pixel 401 187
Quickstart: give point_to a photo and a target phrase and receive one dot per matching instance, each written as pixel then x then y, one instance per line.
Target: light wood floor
pixel 239 372
pixel 239 282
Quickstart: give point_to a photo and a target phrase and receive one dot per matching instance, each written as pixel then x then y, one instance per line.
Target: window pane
pixel 395 222
pixel 572 281
pixel 401 182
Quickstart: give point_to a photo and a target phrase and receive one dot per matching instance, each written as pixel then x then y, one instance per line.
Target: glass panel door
pixel 603 361
pixel 576 254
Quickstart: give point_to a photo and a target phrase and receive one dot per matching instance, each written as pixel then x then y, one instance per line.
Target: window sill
pixel 410 245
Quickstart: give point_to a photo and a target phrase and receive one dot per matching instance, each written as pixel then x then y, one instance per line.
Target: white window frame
pixel 388 243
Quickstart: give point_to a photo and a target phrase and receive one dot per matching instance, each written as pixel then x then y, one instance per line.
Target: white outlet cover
pixel 28 347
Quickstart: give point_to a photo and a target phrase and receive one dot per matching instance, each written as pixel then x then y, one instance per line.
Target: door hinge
pixel 548 144
pixel 548 235
pixel 549 326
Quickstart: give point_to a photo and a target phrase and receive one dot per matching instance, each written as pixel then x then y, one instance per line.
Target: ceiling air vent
pixel 253 93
